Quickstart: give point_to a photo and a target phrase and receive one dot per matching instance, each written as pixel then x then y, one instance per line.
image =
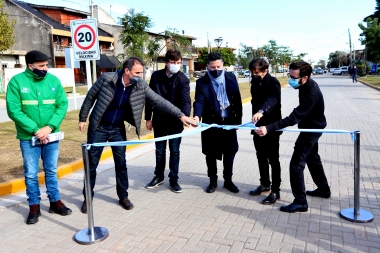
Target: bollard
pixel 91 234
pixel 356 214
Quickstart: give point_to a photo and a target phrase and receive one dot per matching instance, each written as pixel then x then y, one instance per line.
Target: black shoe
pixel 126 204
pixel 319 193
pixel 259 190
pixel 34 213
pixel 293 207
pixel 271 199
pixel 229 185
pixel 59 208
pixel 84 207
pixel 211 187
pixel 175 187
pixel 155 182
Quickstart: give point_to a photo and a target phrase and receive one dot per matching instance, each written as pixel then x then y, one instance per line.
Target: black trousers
pixel 306 152
pixel 267 152
pixel 212 170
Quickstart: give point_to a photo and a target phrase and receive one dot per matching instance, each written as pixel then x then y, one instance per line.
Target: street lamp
pixel 218 43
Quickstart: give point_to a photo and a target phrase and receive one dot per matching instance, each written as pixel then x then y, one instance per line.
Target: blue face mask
pixel 294 83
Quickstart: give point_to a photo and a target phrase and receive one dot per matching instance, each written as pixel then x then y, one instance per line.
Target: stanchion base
pixel 84 237
pixel 362 217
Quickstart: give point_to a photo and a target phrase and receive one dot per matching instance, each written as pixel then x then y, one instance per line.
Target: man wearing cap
pixel 37 103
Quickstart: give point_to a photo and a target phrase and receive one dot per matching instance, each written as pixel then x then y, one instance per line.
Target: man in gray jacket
pixel 119 97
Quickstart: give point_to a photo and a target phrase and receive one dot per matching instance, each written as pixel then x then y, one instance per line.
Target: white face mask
pixel 174 68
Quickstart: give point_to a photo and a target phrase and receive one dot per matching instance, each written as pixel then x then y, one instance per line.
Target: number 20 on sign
pixel 84 35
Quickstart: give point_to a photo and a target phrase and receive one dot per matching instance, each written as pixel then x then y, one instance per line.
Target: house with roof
pixel 47 29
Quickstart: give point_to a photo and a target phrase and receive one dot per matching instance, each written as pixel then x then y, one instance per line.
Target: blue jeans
pixel 103 134
pixel 49 155
pixel 173 160
pixel 354 77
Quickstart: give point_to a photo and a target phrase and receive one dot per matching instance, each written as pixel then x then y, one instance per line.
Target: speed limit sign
pixel 85 42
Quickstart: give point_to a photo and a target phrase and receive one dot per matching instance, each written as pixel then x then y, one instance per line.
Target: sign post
pixel 84 34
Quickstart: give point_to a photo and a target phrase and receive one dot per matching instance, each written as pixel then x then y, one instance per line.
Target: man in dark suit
pixel 266 109
pixel 218 100
pixel 173 85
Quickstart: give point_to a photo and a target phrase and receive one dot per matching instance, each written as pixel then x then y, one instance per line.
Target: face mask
pixel 215 73
pixel 294 83
pixel 135 80
pixel 256 78
pixel 40 73
pixel 174 68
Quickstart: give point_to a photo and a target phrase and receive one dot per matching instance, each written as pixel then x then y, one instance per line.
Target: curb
pixel 370 85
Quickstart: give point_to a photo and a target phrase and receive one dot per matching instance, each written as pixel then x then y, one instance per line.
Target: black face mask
pixel 256 78
pixel 40 73
pixel 215 73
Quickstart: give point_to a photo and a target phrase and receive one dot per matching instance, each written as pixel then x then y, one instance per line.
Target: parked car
pixel 319 72
pixel 344 69
pixel 314 71
pixel 199 73
pixel 336 71
pixel 247 73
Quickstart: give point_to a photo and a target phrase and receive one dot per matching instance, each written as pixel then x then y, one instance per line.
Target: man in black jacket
pixel 119 97
pixel 308 115
pixel 266 109
pixel 218 100
pixel 173 85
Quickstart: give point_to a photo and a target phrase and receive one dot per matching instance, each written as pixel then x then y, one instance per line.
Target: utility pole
pixel 94 77
pixel 349 40
pixel 208 44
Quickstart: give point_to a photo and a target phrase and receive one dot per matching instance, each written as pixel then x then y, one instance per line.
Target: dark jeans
pixel 173 160
pixel 354 77
pixel 102 134
pixel 306 152
pixel 267 152
pixel 212 170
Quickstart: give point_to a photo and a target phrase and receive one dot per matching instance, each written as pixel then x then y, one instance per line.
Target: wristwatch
pixel 261 111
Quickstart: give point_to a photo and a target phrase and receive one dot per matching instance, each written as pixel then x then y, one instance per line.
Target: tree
pixel 376 14
pixel 321 63
pixel 134 35
pixel 299 57
pixel 227 55
pixel 370 37
pixel 337 59
pixel 284 57
pixel 7 37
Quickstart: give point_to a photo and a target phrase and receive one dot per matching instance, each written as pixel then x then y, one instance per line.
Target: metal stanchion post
pixel 356 214
pixel 91 234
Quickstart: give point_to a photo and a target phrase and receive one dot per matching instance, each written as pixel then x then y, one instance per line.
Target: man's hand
pixel 187 121
pixel 43 134
pixel 261 131
pixel 82 126
pixel 196 118
pixel 149 125
pixel 256 117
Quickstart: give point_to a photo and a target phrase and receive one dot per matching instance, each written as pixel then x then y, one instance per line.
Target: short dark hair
pixel 258 63
pixel 131 61
pixel 213 56
pixel 304 67
pixel 173 55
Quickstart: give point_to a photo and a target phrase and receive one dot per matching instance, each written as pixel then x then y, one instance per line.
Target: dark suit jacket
pixel 216 141
pixel 178 94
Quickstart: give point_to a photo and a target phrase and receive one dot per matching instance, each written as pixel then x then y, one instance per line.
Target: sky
pixel 313 27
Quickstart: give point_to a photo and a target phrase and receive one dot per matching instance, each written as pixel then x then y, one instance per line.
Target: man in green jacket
pixel 37 103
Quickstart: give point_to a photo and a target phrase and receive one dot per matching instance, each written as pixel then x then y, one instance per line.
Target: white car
pixel 336 71
pixel 247 73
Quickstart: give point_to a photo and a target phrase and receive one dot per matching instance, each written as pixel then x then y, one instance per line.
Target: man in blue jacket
pixel 309 114
pixel 218 100
pixel 173 85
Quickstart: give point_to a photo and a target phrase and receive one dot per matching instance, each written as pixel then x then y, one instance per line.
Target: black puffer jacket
pixel 103 91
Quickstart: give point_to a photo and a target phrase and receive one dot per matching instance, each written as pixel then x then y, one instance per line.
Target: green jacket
pixel 34 102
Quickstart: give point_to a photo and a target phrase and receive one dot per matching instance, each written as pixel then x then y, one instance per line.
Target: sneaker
pixel 175 188
pixel 34 213
pixel 155 182
pixel 59 208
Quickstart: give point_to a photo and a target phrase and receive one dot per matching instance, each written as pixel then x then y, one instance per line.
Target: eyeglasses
pixel 294 78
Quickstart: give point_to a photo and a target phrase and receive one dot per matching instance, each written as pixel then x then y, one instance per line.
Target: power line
pixel 326 42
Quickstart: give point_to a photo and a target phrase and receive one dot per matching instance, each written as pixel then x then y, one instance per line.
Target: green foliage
pixel 134 34
pixel 7 38
pixel 299 57
pixel 226 53
pixel 370 37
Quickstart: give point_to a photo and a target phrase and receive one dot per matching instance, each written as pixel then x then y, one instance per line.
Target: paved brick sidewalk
pixel 194 221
